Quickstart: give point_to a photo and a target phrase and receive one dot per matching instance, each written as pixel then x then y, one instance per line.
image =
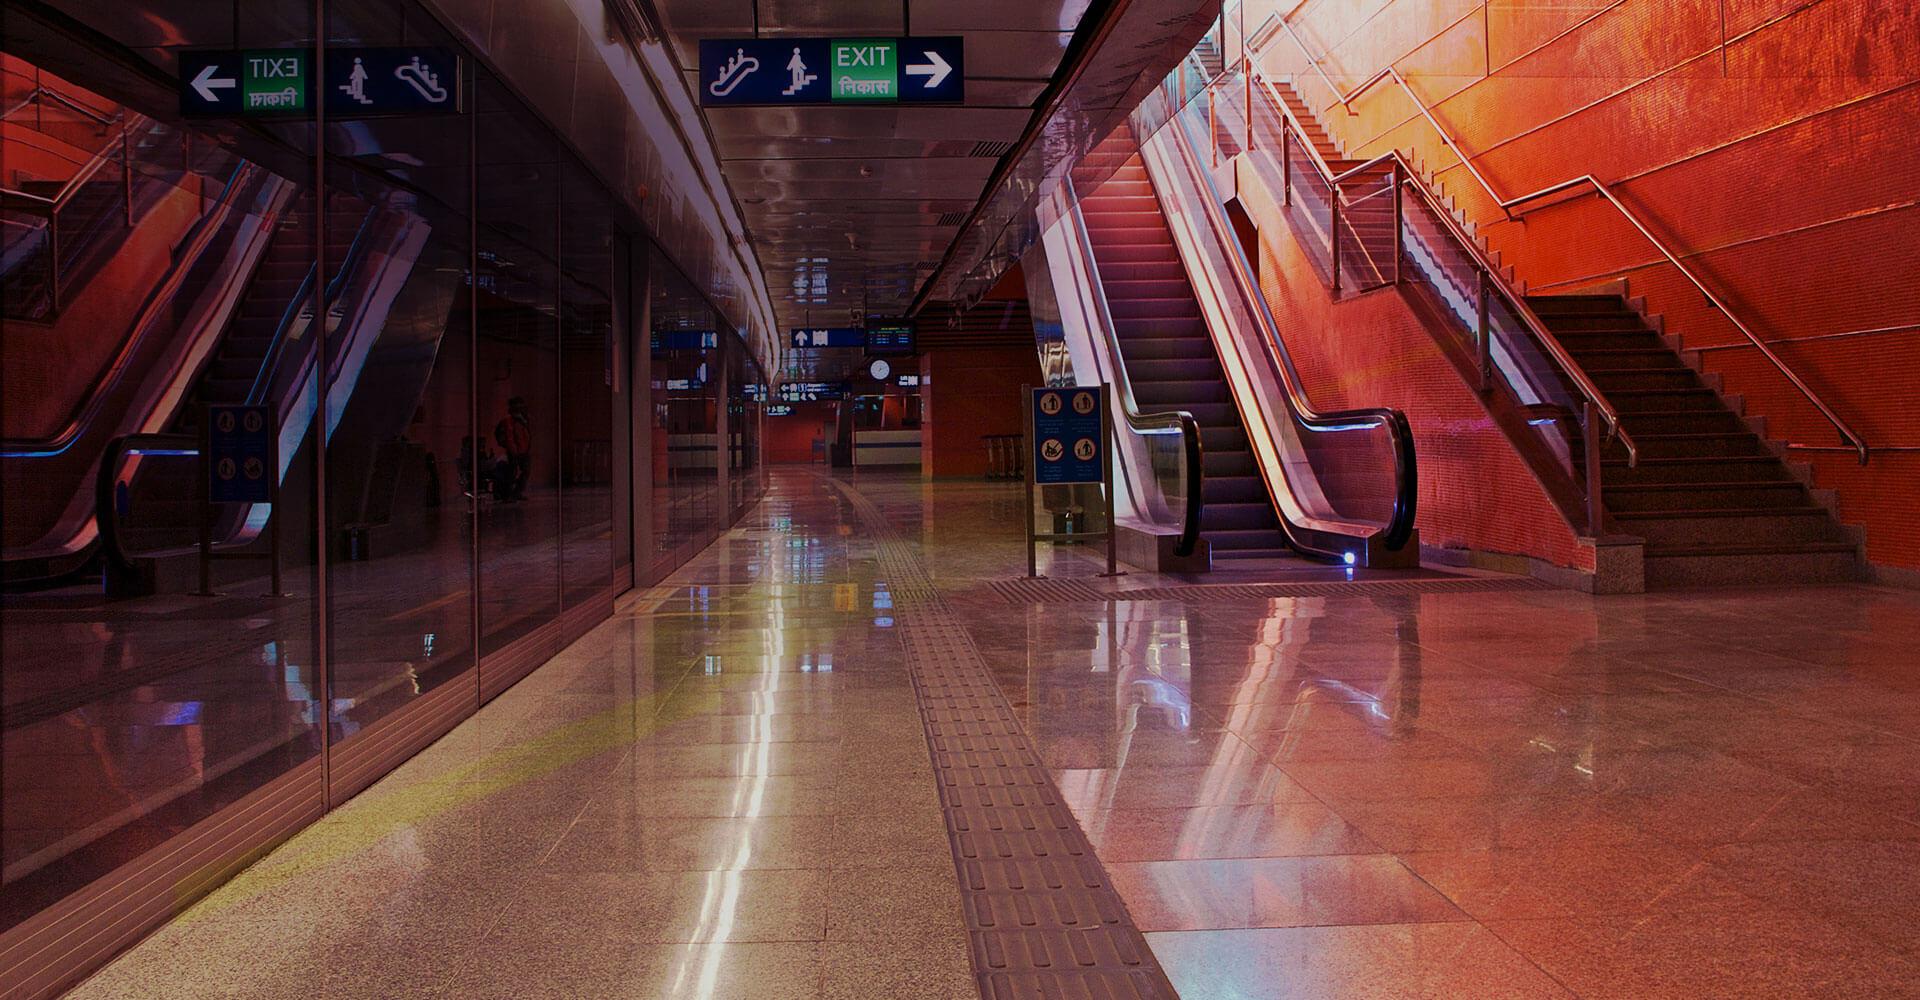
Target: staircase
pixel 1169 355
pixel 1715 502
pixel 1366 220
pixel 1212 60
pixel 236 364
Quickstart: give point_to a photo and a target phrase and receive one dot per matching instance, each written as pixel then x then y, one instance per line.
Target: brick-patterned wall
pixel 1772 143
pixel 1374 350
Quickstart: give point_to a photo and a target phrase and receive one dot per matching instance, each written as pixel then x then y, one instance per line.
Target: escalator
pixel 1168 353
pixel 1171 313
pixel 280 288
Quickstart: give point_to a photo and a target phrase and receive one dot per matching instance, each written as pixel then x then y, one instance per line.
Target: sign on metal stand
pixel 239 463
pixel 1067 430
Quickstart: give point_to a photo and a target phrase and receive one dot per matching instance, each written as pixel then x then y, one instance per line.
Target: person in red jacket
pixel 514 432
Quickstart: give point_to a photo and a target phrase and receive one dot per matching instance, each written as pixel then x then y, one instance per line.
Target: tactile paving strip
pixel 1043 919
pixel 1079 592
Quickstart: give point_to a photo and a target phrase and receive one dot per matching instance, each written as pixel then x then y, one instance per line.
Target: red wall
pixel 790 438
pixel 1771 142
pixel 971 393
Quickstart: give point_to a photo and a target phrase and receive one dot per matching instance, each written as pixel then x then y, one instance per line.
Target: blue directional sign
pixel 421 79
pixel 685 340
pixel 240 454
pixel 360 82
pixel 830 336
pixel 781 71
pixel 1067 437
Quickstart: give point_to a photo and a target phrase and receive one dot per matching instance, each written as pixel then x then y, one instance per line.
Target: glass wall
pixel 433 326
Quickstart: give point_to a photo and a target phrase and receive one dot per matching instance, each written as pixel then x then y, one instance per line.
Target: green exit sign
pixel 865 69
pixel 274 80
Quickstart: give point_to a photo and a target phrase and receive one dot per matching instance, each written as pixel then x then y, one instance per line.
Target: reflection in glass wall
pixel 518 326
pixel 586 396
pixel 150 269
pixel 685 414
pixel 400 531
pixel 436 343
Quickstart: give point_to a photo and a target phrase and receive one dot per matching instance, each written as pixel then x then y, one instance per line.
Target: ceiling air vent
pixel 950 219
pixel 992 150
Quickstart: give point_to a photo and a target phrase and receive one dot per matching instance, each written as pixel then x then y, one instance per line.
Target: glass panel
pixel 586 398
pixel 685 416
pixel 400 399
pixel 147 275
pixel 518 379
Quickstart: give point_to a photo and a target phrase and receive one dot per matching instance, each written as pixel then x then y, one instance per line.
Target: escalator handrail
pixel 270 365
pixel 106 512
pixel 1516 303
pixel 1123 386
pixel 1405 470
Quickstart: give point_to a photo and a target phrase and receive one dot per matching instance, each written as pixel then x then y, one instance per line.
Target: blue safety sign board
pixel 779 71
pixel 1067 439
pixel 240 454
pixel 685 340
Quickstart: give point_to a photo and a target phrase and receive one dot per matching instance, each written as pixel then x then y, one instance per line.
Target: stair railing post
pixel 53 257
pixel 1486 338
pixel 1399 216
pixel 1213 128
pixel 126 173
pixel 1246 76
pixel 1286 163
pixel 1334 239
pixel 1593 443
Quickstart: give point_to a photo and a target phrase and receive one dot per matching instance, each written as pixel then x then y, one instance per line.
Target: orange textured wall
pixel 970 393
pixel 1773 144
pixel 790 438
pixel 1374 350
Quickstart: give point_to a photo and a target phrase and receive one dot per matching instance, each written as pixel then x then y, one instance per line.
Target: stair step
pixel 1166 347
pixel 1695 398
pixel 1612 380
pixel 1751 563
pixel 1571 322
pixel 1237 516
pixel 1650 497
pixel 1652 358
pixel 1233 490
pixel 1180 394
pixel 1227 541
pixel 1656 422
pixel 1686 446
pixel 1729 469
pixel 1229 441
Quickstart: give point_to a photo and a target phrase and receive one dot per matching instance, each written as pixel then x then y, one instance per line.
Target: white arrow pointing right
pixel 204 83
pixel 935 71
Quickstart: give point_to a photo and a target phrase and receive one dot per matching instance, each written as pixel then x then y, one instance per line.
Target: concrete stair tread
pixel 1808 510
pixel 1746 548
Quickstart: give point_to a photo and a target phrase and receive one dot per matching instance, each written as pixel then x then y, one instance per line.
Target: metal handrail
pixel 80 176
pixel 1400 527
pixel 1516 302
pixel 1506 206
pixel 1123 386
pixel 42 90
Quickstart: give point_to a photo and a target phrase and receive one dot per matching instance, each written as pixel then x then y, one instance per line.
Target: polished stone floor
pixel 1381 791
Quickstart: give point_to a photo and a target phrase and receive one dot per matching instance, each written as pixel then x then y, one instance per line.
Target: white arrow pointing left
pixel 934 71
pixel 204 83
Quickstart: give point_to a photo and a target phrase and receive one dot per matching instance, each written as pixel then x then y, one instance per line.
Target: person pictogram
pixel 798 67
pixel 356 85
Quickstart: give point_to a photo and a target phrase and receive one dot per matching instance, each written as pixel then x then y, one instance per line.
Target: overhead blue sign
pixel 809 392
pixel 779 71
pixel 240 454
pixel 392 81
pixel 359 82
pixel 830 336
pixel 685 340
pixel 1067 445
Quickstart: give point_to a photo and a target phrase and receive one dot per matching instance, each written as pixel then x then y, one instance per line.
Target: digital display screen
pixel 890 337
